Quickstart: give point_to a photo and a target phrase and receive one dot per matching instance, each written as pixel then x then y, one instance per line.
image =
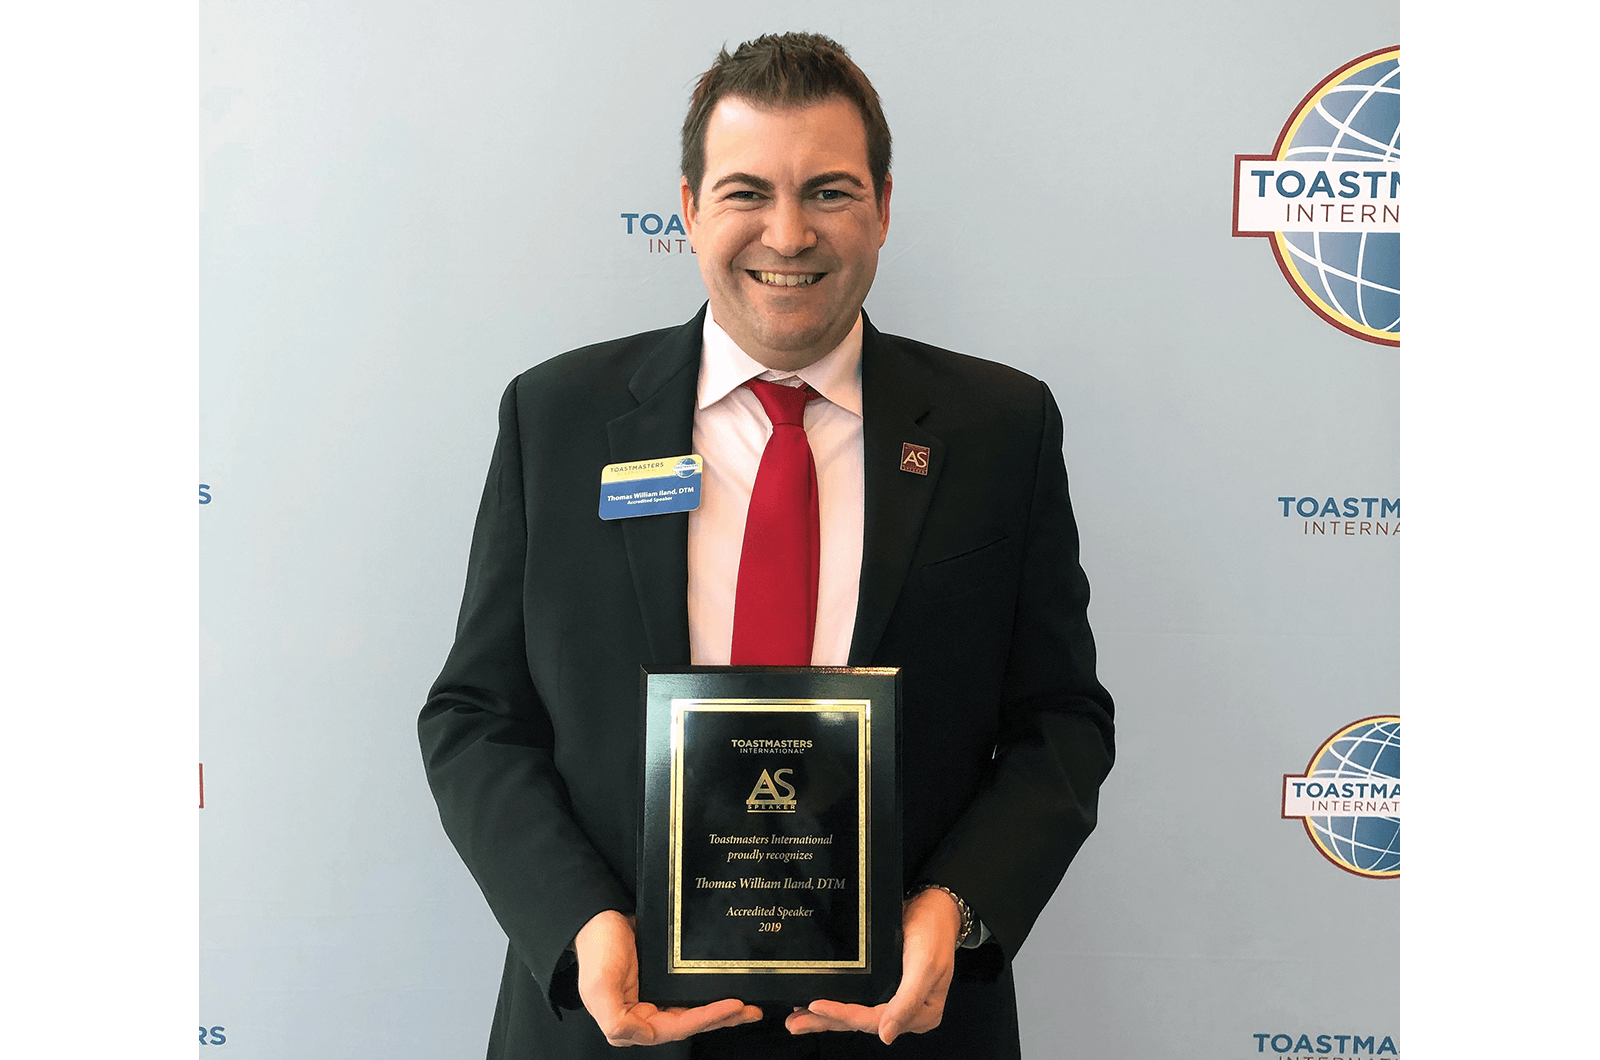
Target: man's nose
pixel 788 229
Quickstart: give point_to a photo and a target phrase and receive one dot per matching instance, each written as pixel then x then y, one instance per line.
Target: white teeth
pixel 778 279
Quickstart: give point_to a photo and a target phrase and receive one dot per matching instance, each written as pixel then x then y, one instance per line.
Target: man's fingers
pixel 645 1024
pixel 833 1016
pixel 670 1025
pixel 804 1022
pixel 746 1014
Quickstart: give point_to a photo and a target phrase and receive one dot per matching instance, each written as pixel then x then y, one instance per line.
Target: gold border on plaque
pixel 862 709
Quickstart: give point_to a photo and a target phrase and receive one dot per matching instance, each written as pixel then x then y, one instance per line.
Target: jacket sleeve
pixel 1008 851
pixel 487 747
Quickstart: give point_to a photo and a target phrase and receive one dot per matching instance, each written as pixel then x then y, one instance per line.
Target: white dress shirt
pixel 730 432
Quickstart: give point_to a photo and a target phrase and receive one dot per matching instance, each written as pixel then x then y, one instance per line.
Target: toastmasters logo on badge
pixel 1320 515
pixel 1328 198
pixel 1349 798
pixel 660 235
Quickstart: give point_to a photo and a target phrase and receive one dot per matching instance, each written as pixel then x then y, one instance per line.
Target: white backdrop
pixel 405 204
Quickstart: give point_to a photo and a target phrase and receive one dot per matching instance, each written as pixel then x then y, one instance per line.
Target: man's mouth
pixel 786 279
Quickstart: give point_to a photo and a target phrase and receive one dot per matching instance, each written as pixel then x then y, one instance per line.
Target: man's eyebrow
pixel 822 180
pixel 758 183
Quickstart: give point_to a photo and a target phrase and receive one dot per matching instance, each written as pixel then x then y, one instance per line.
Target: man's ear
pixel 686 198
pixel 883 207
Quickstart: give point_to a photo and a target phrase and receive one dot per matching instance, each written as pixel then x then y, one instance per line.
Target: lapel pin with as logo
pixel 914 458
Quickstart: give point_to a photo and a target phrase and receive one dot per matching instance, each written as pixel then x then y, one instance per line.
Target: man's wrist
pixel 968 926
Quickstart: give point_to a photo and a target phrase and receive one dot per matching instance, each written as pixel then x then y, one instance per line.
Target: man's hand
pixel 608 983
pixel 931 922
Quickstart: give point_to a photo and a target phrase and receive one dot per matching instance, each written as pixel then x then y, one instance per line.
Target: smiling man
pixel 787 219
pixel 867 500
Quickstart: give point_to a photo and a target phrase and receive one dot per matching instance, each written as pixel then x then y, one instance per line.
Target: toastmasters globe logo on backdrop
pixel 1328 198
pixel 1349 798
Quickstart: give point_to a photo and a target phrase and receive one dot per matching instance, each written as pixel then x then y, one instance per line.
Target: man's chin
pixel 789 349
pixel 783 341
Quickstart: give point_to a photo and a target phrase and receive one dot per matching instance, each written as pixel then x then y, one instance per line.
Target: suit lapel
pixel 893 404
pixel 658 545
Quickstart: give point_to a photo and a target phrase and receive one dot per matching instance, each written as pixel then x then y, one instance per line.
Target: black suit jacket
pixel 970 583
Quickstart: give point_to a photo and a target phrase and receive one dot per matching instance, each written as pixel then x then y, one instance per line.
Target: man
pixel 944 544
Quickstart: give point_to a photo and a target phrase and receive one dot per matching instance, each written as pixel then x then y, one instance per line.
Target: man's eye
pixel 831 195
pixel 743 196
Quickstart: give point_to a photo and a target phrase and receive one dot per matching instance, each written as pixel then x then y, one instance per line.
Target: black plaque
pixel 769 855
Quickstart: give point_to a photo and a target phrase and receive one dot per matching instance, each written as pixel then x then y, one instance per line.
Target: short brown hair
pixel 784 70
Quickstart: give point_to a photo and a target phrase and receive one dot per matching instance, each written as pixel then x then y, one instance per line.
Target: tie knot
pixel 785 405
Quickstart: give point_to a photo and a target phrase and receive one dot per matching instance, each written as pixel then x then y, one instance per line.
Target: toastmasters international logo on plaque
pixel 1348 798
pixel 1328 198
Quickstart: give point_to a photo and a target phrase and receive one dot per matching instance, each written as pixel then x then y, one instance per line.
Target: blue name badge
pixel 650 487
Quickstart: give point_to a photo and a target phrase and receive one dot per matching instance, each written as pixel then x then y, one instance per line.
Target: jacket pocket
pixel 972 571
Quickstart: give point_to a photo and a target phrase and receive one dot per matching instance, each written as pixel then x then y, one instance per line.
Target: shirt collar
pixel 724 367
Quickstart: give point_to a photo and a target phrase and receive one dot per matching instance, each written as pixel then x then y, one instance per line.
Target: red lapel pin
pixel 914 458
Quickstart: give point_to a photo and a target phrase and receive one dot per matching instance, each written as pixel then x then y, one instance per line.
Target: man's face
pixel 787 227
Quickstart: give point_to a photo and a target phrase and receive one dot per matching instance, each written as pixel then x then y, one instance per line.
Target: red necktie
pixel 775 601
